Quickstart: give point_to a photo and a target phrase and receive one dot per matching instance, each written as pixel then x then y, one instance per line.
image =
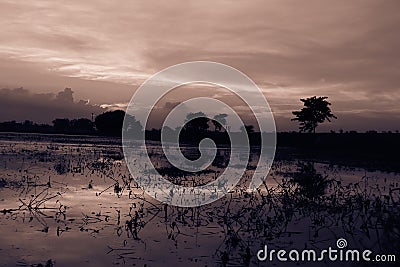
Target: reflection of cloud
pixel 20 104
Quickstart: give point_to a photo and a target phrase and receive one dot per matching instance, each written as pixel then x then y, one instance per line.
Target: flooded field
pixel 71 201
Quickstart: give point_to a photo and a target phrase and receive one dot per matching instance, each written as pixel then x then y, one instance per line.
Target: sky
pixel 104 50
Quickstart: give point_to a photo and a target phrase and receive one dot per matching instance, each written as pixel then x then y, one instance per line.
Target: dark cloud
pixel 21 104
pixel 65 96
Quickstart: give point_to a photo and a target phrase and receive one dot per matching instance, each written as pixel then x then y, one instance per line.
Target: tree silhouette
pixel 196 123
pixel 219 117
pixel 61 125
pixel 132 126
pixel 82 125
pixel 249 129
pixel 316 110
pixel 111 122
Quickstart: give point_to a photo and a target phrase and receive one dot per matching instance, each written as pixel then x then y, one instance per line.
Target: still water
pixel 70 201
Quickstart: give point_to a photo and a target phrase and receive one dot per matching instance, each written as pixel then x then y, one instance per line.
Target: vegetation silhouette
pixel 302 202
pixel 195 125
pixel 221 118
pixel 111 123
pixel 243 221
pixel 370 149
pixel 310 183
pixel 76 126
pixel 315 111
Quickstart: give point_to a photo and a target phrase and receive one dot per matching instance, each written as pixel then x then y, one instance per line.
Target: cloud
pixel 345 50
pixel 21 104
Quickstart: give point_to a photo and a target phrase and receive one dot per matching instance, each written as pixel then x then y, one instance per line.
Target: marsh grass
pixel 298 201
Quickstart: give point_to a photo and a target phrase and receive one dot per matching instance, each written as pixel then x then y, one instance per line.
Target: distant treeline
pixel 370 149
pixel 109 124
pixel 62 126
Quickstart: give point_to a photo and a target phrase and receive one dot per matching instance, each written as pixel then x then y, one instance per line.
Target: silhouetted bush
pixel 111 123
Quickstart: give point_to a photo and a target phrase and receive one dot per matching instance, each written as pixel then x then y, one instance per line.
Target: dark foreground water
pixel 70 201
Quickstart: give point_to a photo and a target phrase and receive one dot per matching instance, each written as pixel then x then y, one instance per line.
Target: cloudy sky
pixel 103 50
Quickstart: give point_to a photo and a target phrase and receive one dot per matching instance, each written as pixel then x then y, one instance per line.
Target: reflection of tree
pixel 311 183
pixel 249 220
pixel 239 224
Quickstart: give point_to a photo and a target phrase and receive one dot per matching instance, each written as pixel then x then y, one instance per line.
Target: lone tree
pixel 221 118
pixel 316 110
